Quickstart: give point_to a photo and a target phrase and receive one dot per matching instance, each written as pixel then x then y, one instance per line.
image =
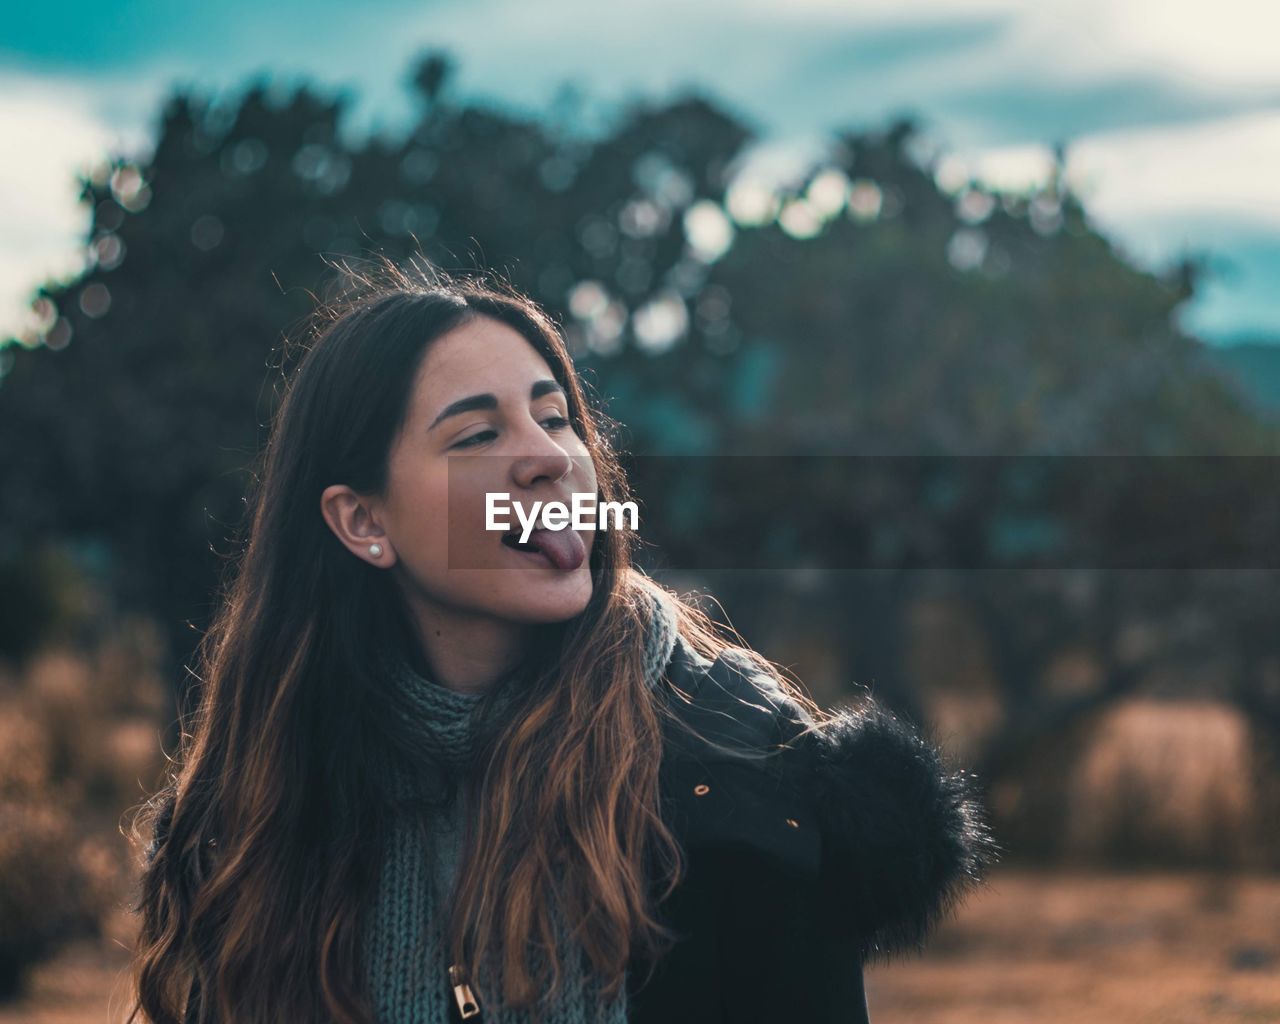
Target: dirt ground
pixel 1051 948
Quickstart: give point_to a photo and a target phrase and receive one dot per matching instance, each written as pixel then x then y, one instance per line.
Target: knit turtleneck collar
pixel 440 718
pixel 442 721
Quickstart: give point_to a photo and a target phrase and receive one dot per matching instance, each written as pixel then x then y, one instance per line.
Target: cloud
pixel 1224 166
pixel 1225 43
pixel 53 131
pixel 1218 167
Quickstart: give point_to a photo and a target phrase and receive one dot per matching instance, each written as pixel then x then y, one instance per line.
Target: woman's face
pixel 486 416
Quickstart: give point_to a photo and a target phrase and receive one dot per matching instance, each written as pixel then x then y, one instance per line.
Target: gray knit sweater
pixel 404 950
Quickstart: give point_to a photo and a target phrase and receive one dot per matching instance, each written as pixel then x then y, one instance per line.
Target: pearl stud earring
pixel 375 550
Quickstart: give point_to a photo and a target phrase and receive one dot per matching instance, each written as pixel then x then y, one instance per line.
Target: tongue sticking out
pixel 563 547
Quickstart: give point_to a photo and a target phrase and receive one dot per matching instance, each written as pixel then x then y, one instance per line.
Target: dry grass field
pixel 1102 948
pixel 1096 949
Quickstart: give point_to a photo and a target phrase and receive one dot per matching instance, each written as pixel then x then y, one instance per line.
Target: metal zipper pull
pixel 466 999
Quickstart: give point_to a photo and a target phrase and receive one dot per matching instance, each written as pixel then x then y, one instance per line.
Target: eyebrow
pixel 489 401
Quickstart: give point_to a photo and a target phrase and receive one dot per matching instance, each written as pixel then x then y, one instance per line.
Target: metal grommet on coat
pixel 701 789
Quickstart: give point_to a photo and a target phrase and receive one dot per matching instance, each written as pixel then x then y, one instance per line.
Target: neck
pixel 463 651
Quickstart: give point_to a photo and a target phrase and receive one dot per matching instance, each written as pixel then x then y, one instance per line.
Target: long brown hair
pixel 272 826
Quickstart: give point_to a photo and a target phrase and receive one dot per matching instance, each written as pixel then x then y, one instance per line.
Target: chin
pixel 538 598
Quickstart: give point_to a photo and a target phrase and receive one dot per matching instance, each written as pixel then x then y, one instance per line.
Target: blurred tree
pixel 916 322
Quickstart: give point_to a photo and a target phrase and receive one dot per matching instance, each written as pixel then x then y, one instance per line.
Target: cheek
pixel 421 517
pixel 468 483
pixel 584 469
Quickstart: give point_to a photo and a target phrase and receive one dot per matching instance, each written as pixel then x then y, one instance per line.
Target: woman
pixel 439 775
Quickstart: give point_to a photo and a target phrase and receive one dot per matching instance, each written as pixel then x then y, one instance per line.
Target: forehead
pixel 482 355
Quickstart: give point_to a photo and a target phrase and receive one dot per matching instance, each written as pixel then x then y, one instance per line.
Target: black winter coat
pixel 844 848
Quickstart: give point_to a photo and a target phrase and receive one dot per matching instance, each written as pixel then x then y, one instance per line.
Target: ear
pixel 352 521
pixel 904 840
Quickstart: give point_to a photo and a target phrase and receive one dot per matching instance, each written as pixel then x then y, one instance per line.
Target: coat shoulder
pixel 729 780
pixel 731 702
pixel 897 836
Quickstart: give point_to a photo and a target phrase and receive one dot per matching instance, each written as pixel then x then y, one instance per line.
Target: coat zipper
pixel 468 1006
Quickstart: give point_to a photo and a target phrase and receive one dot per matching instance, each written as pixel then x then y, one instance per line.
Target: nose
pixel 546 460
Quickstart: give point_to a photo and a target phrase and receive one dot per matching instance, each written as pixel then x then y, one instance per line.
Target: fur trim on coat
pixel 904 839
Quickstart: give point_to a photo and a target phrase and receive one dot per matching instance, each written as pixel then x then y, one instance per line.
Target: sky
pixel 1170 108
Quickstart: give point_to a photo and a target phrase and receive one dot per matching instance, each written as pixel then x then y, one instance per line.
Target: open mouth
pixel 562 550
pixel 512 540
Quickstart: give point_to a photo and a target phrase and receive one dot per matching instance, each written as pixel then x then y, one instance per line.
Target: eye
pixel 475 439
pixel 480 437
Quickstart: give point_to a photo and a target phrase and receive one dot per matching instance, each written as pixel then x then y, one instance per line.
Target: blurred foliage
pixel 45 898
pixel 878 306
pixel 78 744
pixel 35 589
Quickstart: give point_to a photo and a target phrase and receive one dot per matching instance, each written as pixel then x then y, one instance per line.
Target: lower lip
pixel 535 558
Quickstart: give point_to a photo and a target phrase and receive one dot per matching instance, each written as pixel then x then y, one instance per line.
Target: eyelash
pixel 560 421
